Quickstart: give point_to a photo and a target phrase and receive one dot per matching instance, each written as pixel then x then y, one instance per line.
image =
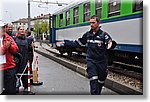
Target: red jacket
pixel 10 63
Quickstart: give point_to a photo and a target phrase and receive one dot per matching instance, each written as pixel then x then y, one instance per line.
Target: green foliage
pixel 41 27
pixel 44 27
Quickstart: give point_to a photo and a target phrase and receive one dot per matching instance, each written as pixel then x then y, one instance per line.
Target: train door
pixel 52 32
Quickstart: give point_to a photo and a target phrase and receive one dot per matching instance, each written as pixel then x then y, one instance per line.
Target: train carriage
pixel 122 19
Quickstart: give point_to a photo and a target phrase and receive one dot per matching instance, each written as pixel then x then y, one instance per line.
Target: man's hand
pixel 109 44
pixel 8 43
pixel 112 45
pixel 59 44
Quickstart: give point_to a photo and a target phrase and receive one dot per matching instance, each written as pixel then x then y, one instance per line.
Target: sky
pixel 12 10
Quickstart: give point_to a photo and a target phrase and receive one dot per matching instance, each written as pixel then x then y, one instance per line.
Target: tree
pixel 37 28
pixel 41 27
pixel 44 27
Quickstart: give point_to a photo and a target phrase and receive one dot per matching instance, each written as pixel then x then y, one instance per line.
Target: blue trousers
pixel 97 73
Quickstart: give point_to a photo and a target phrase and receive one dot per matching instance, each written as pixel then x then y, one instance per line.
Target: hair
pixel 20 27
pixel 95 17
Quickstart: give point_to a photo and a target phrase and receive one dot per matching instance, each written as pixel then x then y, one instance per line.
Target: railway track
pixel 129 73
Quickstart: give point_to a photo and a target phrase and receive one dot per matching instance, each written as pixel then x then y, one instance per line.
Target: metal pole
pixel 29 15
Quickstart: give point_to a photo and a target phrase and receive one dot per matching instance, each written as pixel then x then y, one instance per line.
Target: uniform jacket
pixel 96 45
pixel 8 52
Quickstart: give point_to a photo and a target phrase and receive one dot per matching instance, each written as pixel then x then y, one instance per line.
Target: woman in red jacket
pixel 7 64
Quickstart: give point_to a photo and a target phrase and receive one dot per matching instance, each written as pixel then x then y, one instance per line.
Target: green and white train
pixel 122 19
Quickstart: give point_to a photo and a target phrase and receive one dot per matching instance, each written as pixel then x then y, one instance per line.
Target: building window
pixel 68 17
pixel 137 5
pixel 76 15
pixel 86 11
pixel 98 8
pixel 113 8
pixel 61 20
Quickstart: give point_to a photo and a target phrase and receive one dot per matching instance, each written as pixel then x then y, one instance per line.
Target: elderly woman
pixel 23 46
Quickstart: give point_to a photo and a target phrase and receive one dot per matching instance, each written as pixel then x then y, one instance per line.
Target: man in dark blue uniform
pixel 97 42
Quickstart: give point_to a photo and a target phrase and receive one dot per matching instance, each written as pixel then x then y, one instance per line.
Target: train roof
pixel 69 6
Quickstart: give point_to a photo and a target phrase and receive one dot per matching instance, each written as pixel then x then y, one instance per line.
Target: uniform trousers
pixel 97 73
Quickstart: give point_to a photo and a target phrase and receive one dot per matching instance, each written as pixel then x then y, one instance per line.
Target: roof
pixel 23 20
pixel 46 16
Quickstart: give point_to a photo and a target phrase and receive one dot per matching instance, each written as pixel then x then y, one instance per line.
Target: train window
pixel 54 21
pixel 137 5
pixel 76 15
pixel 68 17
pixel 98 8
pixel 61 20
pixel 87 11
pixel 113 8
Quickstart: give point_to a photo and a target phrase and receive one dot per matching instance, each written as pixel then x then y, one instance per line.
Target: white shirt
pixel 2 57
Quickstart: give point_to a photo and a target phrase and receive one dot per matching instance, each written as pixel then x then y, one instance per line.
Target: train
pixel 122 19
